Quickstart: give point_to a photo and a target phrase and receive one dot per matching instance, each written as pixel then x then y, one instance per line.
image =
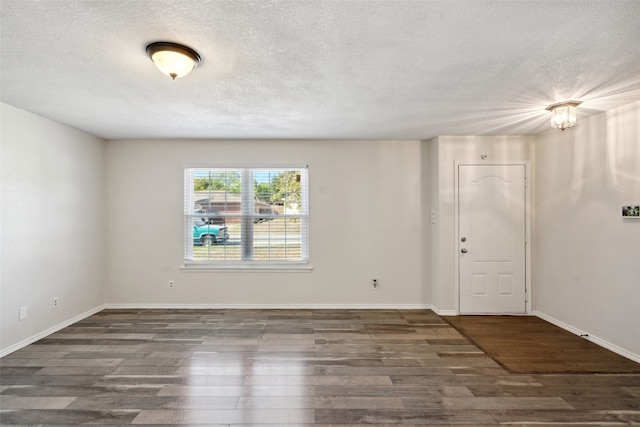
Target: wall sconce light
pixel 172 59
pixel 563 114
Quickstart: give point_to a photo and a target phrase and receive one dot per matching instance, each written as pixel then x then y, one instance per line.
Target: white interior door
pixel 492 239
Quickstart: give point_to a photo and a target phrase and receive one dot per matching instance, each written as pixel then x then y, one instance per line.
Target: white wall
pixel 52 225
pixel 587 271
pixel 365 222
pixel 445 151
pixel 425 198
pixel 370 207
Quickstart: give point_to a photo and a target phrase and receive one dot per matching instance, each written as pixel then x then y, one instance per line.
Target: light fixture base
pixel 562 104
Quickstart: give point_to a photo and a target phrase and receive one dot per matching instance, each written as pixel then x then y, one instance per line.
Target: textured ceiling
pixel 387 69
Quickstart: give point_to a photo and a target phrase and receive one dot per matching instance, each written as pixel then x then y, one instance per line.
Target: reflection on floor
pixel 289 367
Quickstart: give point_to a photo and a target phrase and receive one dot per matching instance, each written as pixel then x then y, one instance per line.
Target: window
pixel 243 217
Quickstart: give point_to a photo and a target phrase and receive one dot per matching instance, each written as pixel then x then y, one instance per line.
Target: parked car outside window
pixel 209 234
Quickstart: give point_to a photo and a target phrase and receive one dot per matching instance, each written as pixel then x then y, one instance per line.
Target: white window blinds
pixel 246 215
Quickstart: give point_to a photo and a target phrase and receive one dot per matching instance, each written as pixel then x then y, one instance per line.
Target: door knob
pixel 464 250
pixel 464 239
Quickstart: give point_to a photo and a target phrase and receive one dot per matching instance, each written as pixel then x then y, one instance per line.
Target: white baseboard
pixel 446 312
pixel 271 306
pixel 602 343
pixel 50 331
pixel 443 312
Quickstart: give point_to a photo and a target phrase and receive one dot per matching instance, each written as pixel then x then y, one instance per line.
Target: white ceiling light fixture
pixel 563 114
pixel 173 59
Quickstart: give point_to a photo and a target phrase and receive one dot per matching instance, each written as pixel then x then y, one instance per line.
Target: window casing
pixel 246 217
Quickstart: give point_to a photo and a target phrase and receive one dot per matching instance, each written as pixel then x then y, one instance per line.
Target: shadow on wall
pixel 601 158
pixel 623 157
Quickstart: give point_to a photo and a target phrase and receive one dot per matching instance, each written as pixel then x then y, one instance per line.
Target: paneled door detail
pixel 492 239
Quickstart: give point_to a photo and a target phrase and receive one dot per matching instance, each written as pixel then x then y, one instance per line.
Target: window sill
pixel 253 268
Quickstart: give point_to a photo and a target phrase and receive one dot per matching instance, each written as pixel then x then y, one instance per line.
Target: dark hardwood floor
pixel 290 367
pixel 530 345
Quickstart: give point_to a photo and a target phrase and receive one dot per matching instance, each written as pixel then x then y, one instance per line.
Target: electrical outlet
pixel 374 283
pixel 171 284
pixel 22 313
pixel 55 302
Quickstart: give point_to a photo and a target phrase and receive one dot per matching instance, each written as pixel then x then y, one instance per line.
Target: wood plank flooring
pixel 290 367
pixel 528 345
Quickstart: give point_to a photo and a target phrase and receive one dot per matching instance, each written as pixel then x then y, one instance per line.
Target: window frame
pixel 247 216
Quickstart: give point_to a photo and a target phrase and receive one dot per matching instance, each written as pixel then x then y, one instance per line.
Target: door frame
pixel 527 213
